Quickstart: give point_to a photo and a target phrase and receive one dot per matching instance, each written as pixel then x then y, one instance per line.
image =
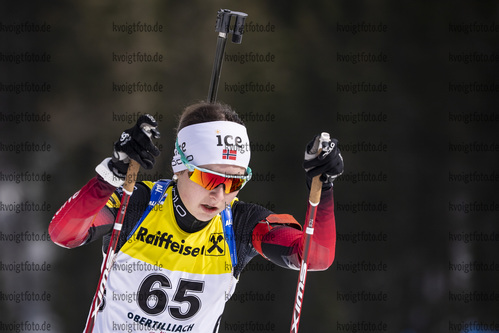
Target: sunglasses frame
pixel 191 167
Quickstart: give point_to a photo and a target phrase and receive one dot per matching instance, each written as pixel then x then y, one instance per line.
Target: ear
pixel 177 175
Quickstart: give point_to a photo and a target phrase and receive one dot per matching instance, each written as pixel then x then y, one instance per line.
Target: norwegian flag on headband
pixel 229 154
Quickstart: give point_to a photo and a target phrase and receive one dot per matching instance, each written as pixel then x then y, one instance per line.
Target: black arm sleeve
pixel 245 218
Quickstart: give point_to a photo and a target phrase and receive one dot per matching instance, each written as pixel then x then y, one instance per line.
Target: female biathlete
pixel 177 260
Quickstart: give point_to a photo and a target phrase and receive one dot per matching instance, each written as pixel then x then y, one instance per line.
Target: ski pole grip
pixel 315 191
pixel 131 176
pixel 316 186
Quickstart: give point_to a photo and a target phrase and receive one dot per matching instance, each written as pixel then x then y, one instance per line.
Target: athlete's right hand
pixel 135 143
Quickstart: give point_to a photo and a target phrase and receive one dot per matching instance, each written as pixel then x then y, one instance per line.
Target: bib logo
pixel 215 246
pixel 217 243
pixel 166 241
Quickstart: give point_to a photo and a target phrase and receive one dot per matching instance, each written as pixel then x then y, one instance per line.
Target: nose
pixel 218 192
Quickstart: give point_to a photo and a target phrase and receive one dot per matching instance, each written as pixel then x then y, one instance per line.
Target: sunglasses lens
pixel 210 181
pixel 236 185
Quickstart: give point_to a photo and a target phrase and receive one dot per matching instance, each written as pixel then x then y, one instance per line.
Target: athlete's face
pixel 202 203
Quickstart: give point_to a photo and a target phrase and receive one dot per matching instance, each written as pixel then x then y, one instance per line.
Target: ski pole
pixel 222 26
pixel 131 176
pixel 128 186
pixel 313 202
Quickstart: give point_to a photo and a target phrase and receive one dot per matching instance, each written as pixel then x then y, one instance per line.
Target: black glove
pixel 135 143
pixel 328 164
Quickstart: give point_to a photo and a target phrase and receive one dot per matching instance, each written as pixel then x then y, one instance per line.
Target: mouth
pixel 209 209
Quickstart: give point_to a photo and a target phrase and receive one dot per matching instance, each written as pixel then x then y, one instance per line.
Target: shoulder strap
pixel 227 223
pixel 158 196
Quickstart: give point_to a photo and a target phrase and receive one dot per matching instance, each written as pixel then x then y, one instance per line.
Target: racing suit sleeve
pixel 279 238
pixel 83 217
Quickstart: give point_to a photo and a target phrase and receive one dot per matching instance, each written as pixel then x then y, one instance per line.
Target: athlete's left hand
pixel 328 164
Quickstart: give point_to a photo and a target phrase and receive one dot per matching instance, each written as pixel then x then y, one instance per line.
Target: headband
pixel 214 142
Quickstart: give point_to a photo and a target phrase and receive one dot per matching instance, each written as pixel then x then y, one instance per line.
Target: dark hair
pixel 203 112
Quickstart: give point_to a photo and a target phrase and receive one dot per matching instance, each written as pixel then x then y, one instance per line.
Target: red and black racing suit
pixel 85 217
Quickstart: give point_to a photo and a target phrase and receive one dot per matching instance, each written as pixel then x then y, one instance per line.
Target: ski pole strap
pixel 158 196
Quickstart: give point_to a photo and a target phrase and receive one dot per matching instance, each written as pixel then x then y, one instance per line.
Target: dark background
pixel 417 207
